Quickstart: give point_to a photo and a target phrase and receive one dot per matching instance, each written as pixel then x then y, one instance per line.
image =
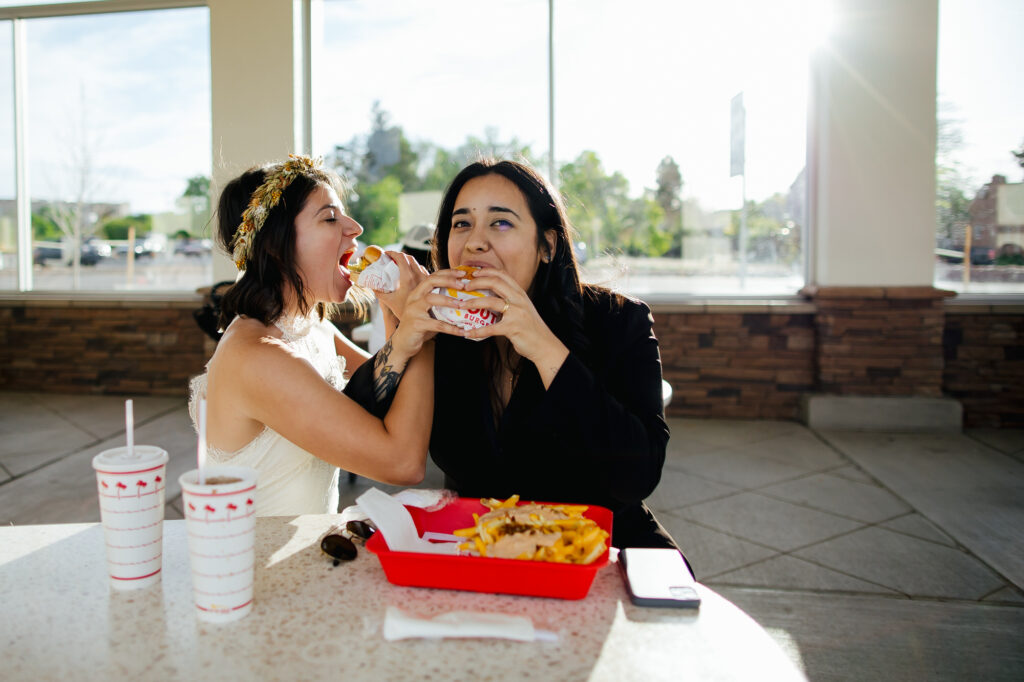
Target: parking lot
pixel 159 272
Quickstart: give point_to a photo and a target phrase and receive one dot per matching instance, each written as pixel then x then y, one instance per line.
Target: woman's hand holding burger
pixel 417 325
pixel 411 274
pixel 520 322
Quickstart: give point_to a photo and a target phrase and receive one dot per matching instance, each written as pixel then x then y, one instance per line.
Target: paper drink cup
pixel 131 494
pixel 220 519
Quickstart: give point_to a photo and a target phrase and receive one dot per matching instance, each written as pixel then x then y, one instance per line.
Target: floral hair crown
pixel 267 196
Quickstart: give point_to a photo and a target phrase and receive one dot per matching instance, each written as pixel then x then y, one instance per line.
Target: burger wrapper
pixel 465 318
pixel 382 275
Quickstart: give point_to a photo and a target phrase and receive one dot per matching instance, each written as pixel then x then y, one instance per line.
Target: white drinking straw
pixel 129 427
pixel 201 449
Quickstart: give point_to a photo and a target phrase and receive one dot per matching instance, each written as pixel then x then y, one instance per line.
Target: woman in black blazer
pixel 560 400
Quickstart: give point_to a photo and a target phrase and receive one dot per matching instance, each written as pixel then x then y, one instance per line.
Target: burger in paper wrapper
pixel 376 273
pixel 465 318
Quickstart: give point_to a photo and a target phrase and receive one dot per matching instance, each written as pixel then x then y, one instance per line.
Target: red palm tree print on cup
pixel 104 484
pixel 209 510
pixel 139 485
pixel 120 486
pixel 158 479
pixel 231 507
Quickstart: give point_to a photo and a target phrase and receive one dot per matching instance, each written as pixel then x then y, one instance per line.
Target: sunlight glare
pixel 818 24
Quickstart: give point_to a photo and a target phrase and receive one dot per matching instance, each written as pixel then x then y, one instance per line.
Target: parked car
pixel 93 251
pixel 193 248
pixel 47 251
pixel 145 246
pixel 982 255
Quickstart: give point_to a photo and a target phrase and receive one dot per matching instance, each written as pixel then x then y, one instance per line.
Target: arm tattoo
pixel 385 376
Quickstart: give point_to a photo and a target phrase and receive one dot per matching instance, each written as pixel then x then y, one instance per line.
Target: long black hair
pixel 270 268
pixel 556 291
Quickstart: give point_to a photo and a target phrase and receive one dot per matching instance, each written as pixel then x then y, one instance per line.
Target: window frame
pixel 17 15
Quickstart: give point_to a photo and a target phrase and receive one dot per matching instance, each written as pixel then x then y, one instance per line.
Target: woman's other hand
pixel 417 325
pixel 520 322
pixel 411 274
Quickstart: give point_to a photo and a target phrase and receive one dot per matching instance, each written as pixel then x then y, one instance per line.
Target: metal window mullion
pixel 552 175
pixel 67 9
pixel 23 201
pixel 303 75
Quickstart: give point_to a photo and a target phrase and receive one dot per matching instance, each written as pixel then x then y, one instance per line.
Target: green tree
pixel 595 201
pixel 1019 155
pixel 642 233
pixel 952 189
pixel 383 164
pixel 600 208
pixel 771 232
pixel 198 186
pixel 376 209
pixel 117 228
pixel 44 228
pixel 447 163
pixel 445 166
pixel 378 167
pixel 669 196
pixel 196 198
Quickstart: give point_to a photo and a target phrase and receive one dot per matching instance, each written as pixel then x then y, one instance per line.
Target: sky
pixel 127 95
pixel 979 83
pixel 634 81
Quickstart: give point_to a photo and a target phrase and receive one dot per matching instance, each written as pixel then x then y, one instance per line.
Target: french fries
pixel 539 532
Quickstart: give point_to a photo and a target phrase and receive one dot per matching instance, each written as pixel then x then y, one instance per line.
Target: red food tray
pixel 486 574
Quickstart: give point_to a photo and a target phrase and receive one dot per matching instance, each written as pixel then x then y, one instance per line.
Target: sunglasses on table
pixel 340 547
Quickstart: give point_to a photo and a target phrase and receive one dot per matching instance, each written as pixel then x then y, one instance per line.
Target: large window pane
pixel 644 97
pixel 119 150
pixel 8 228
pixel 642 91
pixel 980 151
pixel 414 90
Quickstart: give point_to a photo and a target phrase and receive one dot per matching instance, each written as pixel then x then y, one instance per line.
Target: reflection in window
pixel 979 232
pixel 643 95
pixel 119 150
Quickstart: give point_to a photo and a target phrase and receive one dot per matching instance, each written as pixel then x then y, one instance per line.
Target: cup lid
pixel 119 460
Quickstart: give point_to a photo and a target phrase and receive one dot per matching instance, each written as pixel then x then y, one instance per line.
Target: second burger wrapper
pixel 464 318
pixel 381 275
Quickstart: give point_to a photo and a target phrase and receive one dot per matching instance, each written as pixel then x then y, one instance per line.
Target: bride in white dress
pixel 276 391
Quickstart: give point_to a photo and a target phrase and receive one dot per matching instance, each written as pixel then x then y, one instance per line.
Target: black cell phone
pixel 658 577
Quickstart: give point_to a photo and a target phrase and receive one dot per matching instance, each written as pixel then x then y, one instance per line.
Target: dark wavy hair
pixel 556 290
pixel 259 293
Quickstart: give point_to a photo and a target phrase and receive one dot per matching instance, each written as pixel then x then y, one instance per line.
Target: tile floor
pixel 867 555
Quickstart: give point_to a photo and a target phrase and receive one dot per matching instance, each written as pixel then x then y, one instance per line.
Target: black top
pixel 596 436
pixel 360 388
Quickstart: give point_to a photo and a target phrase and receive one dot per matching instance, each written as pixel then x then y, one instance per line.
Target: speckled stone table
pixel 313 621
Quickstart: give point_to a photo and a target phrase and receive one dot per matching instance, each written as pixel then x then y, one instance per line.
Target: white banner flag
pixel 737 155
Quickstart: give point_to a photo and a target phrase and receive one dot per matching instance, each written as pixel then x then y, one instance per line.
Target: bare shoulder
pixel 247 342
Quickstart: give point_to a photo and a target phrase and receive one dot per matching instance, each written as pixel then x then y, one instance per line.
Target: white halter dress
pixel 290 479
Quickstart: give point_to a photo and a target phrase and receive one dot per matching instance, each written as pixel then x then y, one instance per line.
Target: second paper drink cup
pixel 220 519
pixel 131 492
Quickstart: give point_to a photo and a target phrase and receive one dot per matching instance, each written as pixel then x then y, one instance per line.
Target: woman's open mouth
pixel 345 258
